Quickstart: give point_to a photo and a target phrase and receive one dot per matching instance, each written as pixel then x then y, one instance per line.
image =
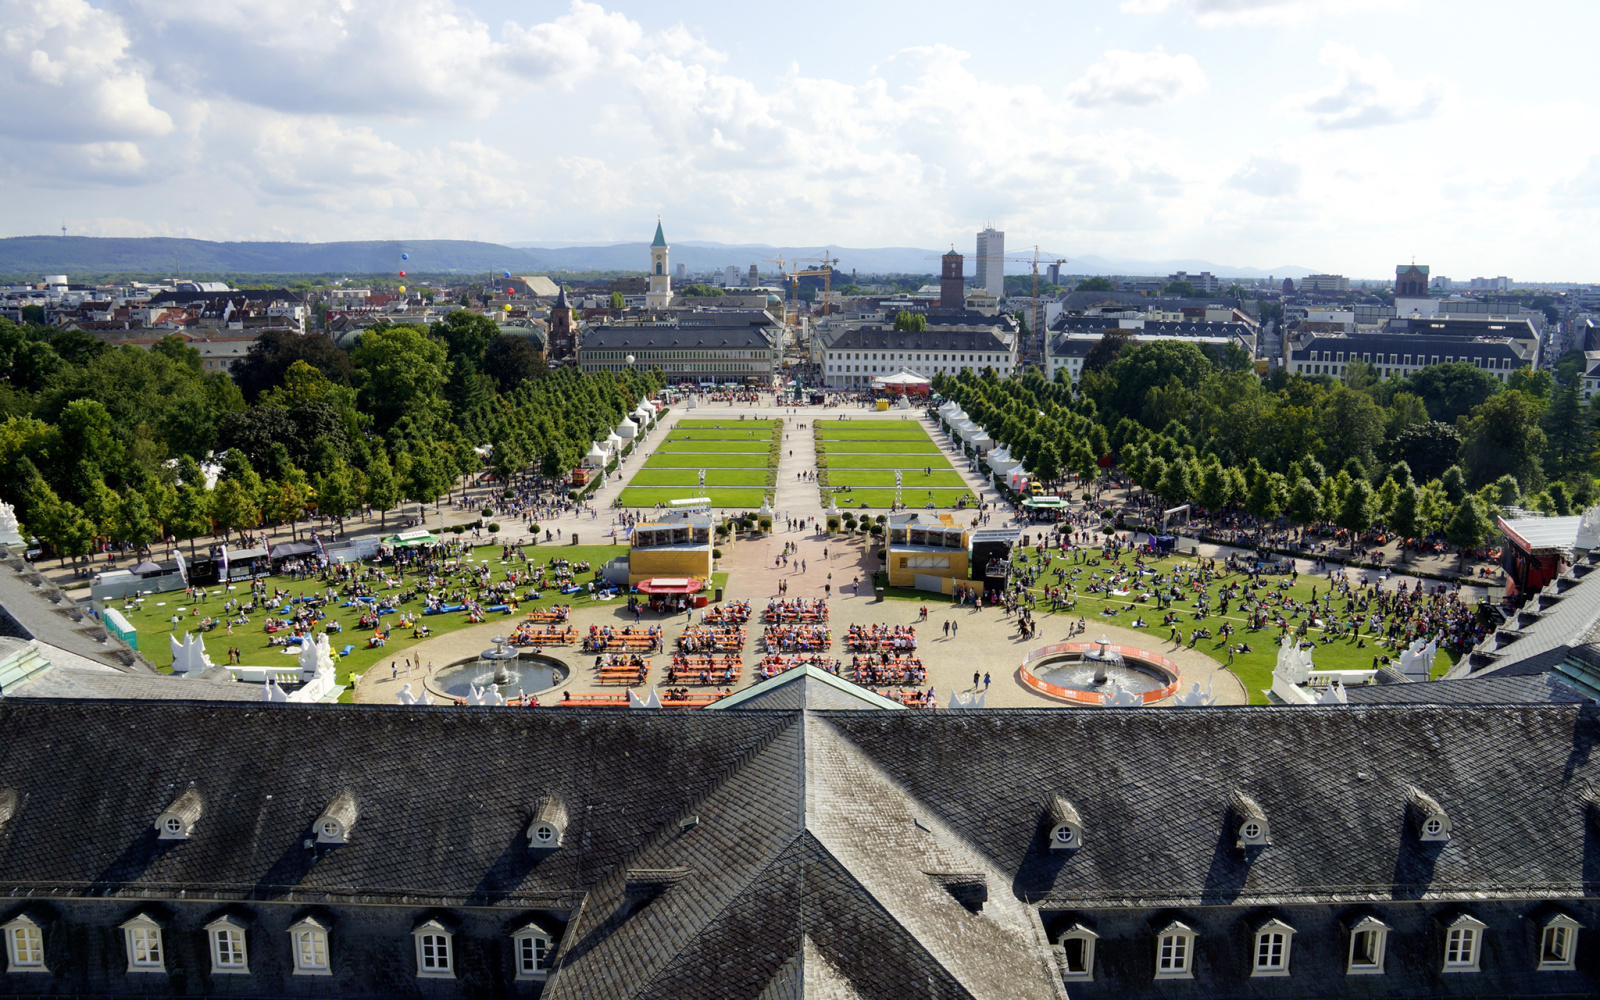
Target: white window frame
pixel 1463 944
pixel 306 938
pixel 1078 933
pixel 1181 937
pixel 24 945
pixel 436 951
pixel 1380 932
pixel 1567 929
pixel 232 930
pixel 141 936
pixel 532 937
pixel 1274 943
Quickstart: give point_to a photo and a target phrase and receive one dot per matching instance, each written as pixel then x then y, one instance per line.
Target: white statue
pixel 1416 660
pixel 634 701
pixel 1335 695
pixel 316 657
pixel 486 695
pixel 188 656
pixel 9 535
pixel 973 700
pixel 1294 663
pixel 1121 698
pixel 1588 530
pixel 405 697
pixel 272 692
pixel 1195 699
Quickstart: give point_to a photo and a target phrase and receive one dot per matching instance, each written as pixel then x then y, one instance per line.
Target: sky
pixel 1340 135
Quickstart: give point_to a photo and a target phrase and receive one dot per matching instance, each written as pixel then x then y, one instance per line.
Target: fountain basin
pixel 529 672
pixel 1073 672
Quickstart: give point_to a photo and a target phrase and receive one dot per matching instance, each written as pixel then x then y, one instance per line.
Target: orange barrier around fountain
pixel 1044 687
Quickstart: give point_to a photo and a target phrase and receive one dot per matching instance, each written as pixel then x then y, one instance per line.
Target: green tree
pixel 1469 527
pixel 1507 492
pixel 134 523
pixel 1356 513
pixel 616 300
pixel 1502 437
pixel 1569 436
pixel 383 490
pixel 1095 284
pixel 191 515
pixel 1183 289
pixel 235 507
pixel 1175 485
pixel 1305 503
pixel 1266 498
pixel 910 322
pixel 1453 390
pixel 1215 491
pixel 399 371
pixel 1405 519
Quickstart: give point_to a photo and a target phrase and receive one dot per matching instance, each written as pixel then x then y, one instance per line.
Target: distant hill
pixel 165 255
pixel 39 255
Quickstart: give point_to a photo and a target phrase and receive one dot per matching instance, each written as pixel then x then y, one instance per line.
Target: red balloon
pixel 402 274
pixel 511 291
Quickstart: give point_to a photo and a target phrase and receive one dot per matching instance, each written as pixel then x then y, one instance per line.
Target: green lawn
pixel 708 460
pixel 153 622
pixel 888 460
pixel 914 497
pixel 759 446
pixel 912 433
pixel 688 477
pixel 725 424
pixel 878 447
pixel 635 496
pixel 1253 668
pixel 828 425
pixel 912 479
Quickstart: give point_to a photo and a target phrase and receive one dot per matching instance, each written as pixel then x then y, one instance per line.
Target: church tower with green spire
pixel 660 293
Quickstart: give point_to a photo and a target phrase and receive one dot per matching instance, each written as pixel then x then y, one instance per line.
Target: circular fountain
pixel 1100 673
pixel 502 668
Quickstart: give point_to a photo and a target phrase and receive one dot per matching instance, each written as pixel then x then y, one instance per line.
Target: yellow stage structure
pixel 673 543
pixel 927 551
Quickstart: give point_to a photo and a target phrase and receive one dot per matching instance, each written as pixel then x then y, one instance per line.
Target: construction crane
pixel 825 273
pixel 1036 328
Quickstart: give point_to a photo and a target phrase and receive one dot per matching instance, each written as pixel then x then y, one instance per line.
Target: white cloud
pixel 1366 93
pixel 68 76
pixel 1220 13
pixel 1267 175
pixel 1136 79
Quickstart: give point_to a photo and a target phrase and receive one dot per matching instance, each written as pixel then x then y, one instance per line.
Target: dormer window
pixel 1431 821
pixel 435 951
pixel 177 821
pixel 1558 941
pixel 309 940
pixel 1250 821
pixel 24 945
pixel 333 826
pixel 1175 952
pixel 1463 944
pixel 1369 940
pixel 142 938
pixel 549 824
pixel 1077 952
pixel 228 956
pixel 1066 826
pixel 1273 939
pixel 534 949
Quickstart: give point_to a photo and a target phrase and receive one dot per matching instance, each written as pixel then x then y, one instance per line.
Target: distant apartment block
pixel 1324 283
pixel 991 261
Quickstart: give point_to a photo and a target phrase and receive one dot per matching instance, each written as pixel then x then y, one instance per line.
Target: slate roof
pixel 835 851
pixel 725 338
pixel 932 339
pixel 1532 689
pixel 31 607
pixel 65 682
pixel 806 687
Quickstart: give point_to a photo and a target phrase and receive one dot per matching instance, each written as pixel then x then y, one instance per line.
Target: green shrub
pixel 716 553
pixel 507 495
pixel 876 529
pixel 766 524
pixel 494 526
pixel 458 528
pixel 535 529
pixel 882 519
pixel 488 512
pixel 833 523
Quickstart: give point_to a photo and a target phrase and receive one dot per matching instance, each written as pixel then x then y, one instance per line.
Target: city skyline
pixel 1338 134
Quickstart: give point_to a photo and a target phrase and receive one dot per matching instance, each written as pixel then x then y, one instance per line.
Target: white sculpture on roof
pixel 406 697
pixel 9 535
pixel 1294 663
pixel 482 696
pixel 188 656
pixel 1588 531
pixel 316 657
pixel 1194 698
pixel 1416 661
pixel 634 701
pixel 1119 697
pixel 272 692
pixel 973 700
pixel 1335 695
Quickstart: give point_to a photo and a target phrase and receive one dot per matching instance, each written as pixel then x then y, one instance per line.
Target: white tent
pixel 947 407
pixel 627 429
pixel 613 442
pixel 596 456
pixel 998 457
pixel 644 415
pixel 982 441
